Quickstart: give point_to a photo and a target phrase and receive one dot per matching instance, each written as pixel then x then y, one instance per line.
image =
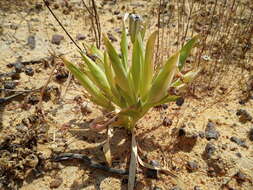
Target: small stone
pixel 210 149
pixel 61 74
pixel 250 135
pixel 15 76
pixel 167 122
pixel 201 134
pixel 152 173
pixel 238 141
pixel 33 99
pixel 243 115
pixel 111 37
pixel 56 182
pixel 66 11
pixel 56 39
pixel 181 132
pixel 238 154
pixel 9 84
pixel 192 166
pixel 29 71
pixel 240 177
pixel 86 108
pixel 38 6
pixel 162 106
pixel 165 106
pixel 56 6
pixel 180 101
pixel 197 188
pixel 176 188
pixel 80 37
pixel 18 67
pixel 124 181
pixel 116 12
pixel 31 42
pixel 210 132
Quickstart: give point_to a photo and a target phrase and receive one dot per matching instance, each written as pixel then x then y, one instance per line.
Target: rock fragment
pixel 238 141
pixel 244 116
pixel 250 135
pixel 211 132
pixel 31 42
pixel 80 37
pixel 56 39
pixel 56 183
pixel 192 166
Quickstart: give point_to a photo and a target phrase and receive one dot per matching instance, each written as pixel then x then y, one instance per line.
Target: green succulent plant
pixel 130 86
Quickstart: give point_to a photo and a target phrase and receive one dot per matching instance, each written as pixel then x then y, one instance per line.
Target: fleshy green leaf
pixel 96 96
pixel 148 67
pixel 124 47
pixel 164 78
pixel 186 50
pixel 98 75
pixel 137 63
pixel 118 67
pixel 110 77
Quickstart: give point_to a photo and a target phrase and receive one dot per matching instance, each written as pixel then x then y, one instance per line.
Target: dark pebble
pixel 31 42
pixel 33 99
pixel 9 84
pixel 210 149
pixel 162 106
pixel 238 141
pixel 197 188
pixel 56 6
pixel 240 177
pixel 210 132
pixel 56 39
pixel 242 102
pixel 192 166
pixel 201 134
pixel 29 71
pixel 61 75
pixel 38 6
pixel 116 12
pixel 80 37
pixel 112 37
pixel 176 188
pixel 15 75
pixel 250 135
pixel 18 67
pixel 167 122
pixel 124 181
pixel 151 173
pixel 181 132
pixel 85 108
pixel 56 183
pixel 238 154
pixel 243 115
pixel 180 101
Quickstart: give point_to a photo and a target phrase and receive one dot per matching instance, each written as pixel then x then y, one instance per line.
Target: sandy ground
pixel 207 144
